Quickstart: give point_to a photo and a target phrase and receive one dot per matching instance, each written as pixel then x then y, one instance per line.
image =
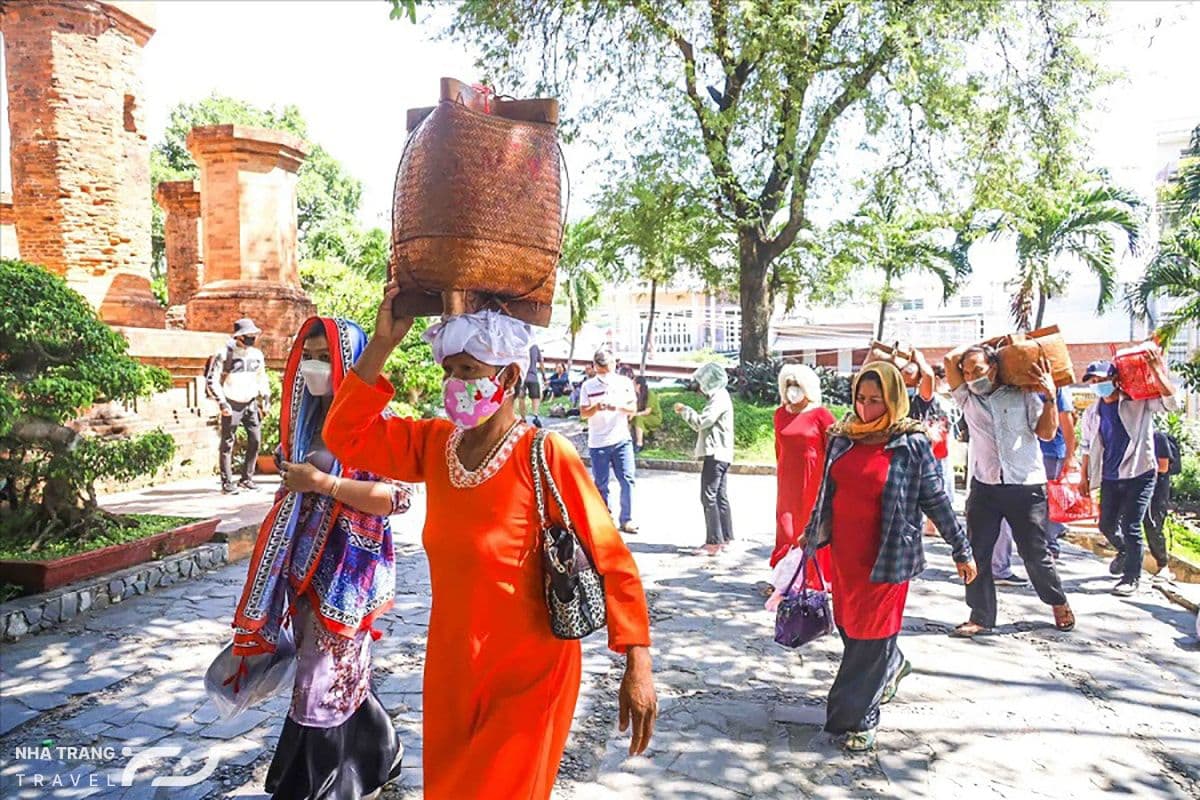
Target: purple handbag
pixel 804 615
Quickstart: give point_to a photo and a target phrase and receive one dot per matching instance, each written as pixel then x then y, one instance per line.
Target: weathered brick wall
pixel 182 230
pixel 80 157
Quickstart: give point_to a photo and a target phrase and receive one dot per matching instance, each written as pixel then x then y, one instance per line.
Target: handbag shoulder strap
pixel 541 472
pixel 800 569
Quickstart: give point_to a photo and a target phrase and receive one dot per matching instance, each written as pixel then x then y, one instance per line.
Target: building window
pixel 974 301
pixel 912 304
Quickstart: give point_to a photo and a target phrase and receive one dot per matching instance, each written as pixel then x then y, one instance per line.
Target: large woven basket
pixel 477 213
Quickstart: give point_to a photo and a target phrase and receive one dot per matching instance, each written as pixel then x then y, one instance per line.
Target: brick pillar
pixel 248 212
pixel 185 266
pixel 80 158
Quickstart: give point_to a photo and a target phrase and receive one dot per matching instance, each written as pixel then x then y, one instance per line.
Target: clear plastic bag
pixel 236 683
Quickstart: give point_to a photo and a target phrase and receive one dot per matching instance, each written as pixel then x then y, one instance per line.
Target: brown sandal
pixel 969 630
pixel 1064 618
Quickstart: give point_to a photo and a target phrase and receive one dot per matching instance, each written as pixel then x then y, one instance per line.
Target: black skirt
pixel 342 763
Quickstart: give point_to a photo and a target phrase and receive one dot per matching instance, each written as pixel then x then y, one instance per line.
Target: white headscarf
pixel 711 377
pixel 488 336
pixel 803 376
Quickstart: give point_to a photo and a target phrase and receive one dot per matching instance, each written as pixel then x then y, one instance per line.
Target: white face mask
pixel 794 395
pixel 318 376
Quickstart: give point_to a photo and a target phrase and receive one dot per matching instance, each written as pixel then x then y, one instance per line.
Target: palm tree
pixel 1173 272
pixel 1081 221
pixel 900 242
pixel 580 285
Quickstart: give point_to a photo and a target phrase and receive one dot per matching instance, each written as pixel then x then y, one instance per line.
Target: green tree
pixel 761 92
pixel 56 359
pixel 342 291
pixel 583 259
pixel 899 240
pixel 1173 272
pixel 655 227
pixel 327 198
pixel 1079 220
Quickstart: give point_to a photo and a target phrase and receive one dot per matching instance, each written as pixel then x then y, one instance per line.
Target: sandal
pixel 889 692
pixel 969 630
pixel 1064 618
pixel 629 527
pixel 860 741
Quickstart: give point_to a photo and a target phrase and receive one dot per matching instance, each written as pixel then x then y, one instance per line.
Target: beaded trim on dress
pixel 463 478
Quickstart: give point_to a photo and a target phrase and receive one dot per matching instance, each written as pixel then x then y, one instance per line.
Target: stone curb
pixel 671 465
pixel 41 612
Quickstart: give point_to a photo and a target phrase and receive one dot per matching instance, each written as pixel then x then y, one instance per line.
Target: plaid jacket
pixel 914 485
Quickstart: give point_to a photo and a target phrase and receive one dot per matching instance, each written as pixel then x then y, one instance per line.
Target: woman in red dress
pixel 801 425
pixel 878 461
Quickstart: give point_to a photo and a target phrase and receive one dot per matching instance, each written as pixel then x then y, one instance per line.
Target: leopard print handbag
pixel 574 589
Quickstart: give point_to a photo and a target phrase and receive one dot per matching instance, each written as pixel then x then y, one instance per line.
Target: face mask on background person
pixel 471 403
pixel 794 395
pixel 1104 389
pixel 981 385
pixel 318 376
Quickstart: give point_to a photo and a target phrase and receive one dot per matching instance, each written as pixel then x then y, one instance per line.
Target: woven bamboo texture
pixel 477 208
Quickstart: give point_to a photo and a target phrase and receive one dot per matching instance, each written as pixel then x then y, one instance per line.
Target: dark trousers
pixel 245 415
pixel 1156 519
pixel 1024 508
pixel 718 520
pixel 1123 506
pixel 868 665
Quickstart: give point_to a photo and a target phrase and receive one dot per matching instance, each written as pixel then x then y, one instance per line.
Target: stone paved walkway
pixel 1111 709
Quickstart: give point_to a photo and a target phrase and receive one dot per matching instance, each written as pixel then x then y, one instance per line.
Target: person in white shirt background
pixel 237 380
pixel 607 401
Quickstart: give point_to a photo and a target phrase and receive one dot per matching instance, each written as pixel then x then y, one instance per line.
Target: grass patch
pixel 19 545
pixel 1183 540
pixel 753 429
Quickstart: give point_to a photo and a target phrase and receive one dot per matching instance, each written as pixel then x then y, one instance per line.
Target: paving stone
pixel 246 722
pixel 14 714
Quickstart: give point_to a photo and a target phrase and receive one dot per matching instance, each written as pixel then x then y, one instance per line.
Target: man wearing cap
pixel 1117 442
pixel 237 380
pixel 607 401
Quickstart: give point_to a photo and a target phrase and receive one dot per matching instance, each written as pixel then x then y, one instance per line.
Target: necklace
pixel 463 478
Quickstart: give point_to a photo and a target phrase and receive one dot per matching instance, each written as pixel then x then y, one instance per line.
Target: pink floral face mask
pixel 472 403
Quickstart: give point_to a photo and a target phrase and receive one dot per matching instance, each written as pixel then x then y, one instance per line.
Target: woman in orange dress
pixel 500 689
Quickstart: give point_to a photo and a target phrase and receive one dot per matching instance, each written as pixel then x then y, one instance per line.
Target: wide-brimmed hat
pixel 245 327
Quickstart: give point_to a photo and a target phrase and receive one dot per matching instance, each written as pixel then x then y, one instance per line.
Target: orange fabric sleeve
pixel 356 432
pixel 624 598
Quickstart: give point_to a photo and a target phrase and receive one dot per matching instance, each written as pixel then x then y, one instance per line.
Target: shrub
pixel 57 359
pixel 1186 485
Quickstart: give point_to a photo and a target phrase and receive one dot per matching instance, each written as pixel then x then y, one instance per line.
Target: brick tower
pixel 248 224
pixel 80 157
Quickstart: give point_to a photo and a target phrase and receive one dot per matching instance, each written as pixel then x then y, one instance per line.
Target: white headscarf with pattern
pixel 487 336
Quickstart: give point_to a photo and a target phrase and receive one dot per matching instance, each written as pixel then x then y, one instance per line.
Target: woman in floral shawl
pixel 324 564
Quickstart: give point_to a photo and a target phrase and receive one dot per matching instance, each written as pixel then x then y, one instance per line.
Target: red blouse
pixel 864 610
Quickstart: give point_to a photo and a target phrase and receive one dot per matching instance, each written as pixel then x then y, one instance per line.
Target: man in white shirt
pixel 237 380
pixel 607 401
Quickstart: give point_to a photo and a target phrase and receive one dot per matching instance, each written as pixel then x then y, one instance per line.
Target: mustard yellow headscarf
pixel 894 421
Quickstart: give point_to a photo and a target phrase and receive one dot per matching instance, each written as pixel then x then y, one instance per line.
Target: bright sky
pixel 353 73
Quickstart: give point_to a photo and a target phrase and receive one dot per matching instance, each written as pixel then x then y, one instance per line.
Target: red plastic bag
pixel 1067 503
pixel 1137 372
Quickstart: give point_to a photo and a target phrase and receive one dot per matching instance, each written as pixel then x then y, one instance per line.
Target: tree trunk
pixel 755 301
pixel 1041 309
pixel 571 355
pixel 649 324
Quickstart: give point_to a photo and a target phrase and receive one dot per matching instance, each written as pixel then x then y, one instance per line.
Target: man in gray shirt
pixel 1006 425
